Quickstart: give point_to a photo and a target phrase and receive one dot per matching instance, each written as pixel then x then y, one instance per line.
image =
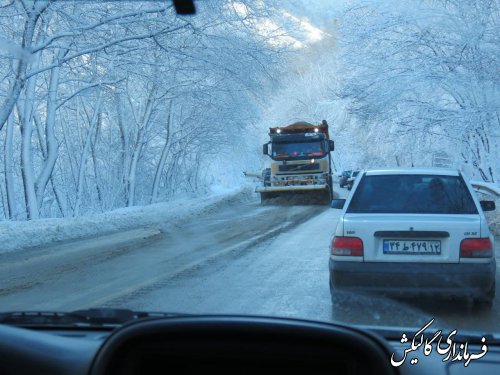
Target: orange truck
pixel 301 162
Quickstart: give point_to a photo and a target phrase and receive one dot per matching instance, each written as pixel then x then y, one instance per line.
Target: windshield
pixel 132 172
pixel 297 150
pixel 412 194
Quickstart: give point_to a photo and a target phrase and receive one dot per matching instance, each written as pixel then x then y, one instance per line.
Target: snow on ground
pixel 19 235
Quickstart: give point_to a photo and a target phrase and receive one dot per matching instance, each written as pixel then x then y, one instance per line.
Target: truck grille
pixel 298 167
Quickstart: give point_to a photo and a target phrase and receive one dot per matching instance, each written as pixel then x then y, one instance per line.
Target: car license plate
pixel 430 247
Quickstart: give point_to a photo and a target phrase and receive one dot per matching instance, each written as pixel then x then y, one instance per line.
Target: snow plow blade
pixel 295 196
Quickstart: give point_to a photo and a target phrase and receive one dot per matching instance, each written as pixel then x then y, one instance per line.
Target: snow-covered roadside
pixel 18 235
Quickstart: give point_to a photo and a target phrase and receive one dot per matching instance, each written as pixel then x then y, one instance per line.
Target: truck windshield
pixel 298 149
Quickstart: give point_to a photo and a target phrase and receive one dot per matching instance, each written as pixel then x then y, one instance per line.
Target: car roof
pixel 426 171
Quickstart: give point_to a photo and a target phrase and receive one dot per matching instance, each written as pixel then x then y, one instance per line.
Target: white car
pixel 410 230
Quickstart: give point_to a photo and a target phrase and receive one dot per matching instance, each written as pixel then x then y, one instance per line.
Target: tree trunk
pixel 9 172
pixel 50 138
pixel 19 81
pixel 27 169
pixel 94 161
pixel 163 158
pixel 125 144
pixel 84 155
pixel 26 119
pixel 139 146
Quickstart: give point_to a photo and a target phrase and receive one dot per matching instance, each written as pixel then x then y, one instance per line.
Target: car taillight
pixel 347 246
pixel 476 248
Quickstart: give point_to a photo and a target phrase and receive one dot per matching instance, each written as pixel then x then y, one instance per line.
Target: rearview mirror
pixel 184 7
pixel 338 203
pixel 488 205
pixel 264 148
pixel 331 145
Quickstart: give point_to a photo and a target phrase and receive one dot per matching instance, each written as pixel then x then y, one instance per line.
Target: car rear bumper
pixel 464 279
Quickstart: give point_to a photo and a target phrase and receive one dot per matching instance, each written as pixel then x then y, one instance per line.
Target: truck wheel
pixel 334 296
pixel 330 187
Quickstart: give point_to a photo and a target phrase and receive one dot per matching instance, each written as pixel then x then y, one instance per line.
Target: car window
pixel 412 194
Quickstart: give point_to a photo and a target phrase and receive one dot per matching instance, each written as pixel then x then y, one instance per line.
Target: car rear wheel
pixel 486 300
pixel 333 294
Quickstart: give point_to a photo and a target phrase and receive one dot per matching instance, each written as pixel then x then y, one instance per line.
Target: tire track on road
pixel 157 282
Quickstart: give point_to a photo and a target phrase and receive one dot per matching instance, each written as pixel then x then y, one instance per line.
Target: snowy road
pixel 114 270
pixel 242 258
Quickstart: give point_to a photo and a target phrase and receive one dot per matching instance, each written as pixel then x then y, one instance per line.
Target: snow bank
pixel 18 235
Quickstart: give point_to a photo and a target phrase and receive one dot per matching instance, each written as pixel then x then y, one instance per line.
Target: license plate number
pixel 431 247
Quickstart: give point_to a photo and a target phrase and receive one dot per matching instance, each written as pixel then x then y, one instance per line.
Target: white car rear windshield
pixel 422 194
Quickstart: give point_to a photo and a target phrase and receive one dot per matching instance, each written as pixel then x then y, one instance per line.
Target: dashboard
pixel 222 345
